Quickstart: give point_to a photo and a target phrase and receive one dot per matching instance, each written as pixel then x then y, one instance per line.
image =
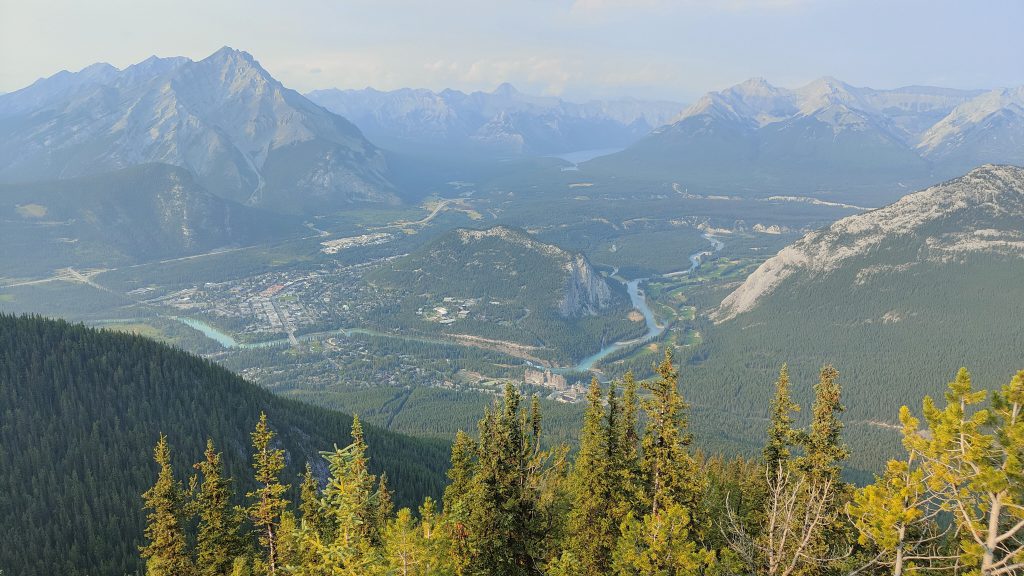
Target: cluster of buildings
pixel 561 390
pixel 450 311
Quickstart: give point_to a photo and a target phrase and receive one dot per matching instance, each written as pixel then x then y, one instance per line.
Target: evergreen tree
pixel 664 540
pixel 404 548
pixel 507 525
pixel 824 450
pixel 383 509
pixel 290 551
pixel 592 528
pixel 781 435
pixel 661 545
pixel 897 517
pixel 268 501
pixel 217 538
pixel 439 560
pixel 977 459
pixel 166 552
pixel 310 507
pixel 799 529
pixel 631 494
pixel 822 491
pixel 670 471
pixel 349 503
pixel 457 500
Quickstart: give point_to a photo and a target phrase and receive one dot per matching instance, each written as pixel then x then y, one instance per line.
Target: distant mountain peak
pixel 225 118
pixel 756 85
pixel 504 121
pixel 98 68
pixel 506 89
pixel 227 52
pixel 952 131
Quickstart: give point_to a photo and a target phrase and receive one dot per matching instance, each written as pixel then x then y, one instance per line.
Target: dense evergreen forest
pixel 80 410
pixel 635 499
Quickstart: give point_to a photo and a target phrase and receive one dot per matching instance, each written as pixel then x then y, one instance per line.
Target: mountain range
pixel 240 132
pixel 504 121
pixel 828 137
pixel 247 138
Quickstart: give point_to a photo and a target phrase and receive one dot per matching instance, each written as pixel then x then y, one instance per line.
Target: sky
pixel 578 49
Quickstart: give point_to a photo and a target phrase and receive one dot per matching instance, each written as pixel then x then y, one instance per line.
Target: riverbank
pixel 637 297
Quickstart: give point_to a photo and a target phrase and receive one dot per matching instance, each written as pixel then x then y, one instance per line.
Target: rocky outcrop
pixel 586 291
pixel 982 211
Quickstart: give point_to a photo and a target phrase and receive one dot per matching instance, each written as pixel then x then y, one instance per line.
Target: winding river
pixel 639 301
pixel 636 297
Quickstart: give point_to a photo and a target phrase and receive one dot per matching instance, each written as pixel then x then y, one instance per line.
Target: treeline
pixel 896 338
pixel 635 500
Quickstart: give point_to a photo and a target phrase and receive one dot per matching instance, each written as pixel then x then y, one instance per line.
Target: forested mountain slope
pixel 897 298
pixel 502 283
pixel 80 410
pixel 138 214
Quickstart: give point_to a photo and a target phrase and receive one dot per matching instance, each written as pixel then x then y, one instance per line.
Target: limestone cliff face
pixel 586 291
pixel 980 212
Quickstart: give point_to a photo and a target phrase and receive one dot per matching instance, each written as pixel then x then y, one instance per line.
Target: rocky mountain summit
pixel 829 138
pixel 243 134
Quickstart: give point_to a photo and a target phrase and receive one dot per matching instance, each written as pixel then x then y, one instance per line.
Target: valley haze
pixel 580 287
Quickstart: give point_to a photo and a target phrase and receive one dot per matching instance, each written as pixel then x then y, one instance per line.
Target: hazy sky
pixel 574 48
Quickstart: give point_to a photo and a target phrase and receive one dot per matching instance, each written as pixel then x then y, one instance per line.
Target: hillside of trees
pixel 80 410
pixel 524 281
pixel 635 499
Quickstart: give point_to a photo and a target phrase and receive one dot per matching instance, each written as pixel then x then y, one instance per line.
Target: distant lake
pixel 584 155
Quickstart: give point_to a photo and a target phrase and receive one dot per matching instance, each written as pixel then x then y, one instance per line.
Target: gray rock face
pixel 829 138
pixel 988 128
pixel 238 130
pixel 586 291
pixel 981 212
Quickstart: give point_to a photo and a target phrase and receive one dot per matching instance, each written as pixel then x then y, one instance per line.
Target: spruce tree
pixel 310 507
pixel 349 503
pixel 671 473
pixel 268 501
pixel 824 450
pixel 217 538
pixel 166 552
pixel 458 501
pixel 781 435
pixel 383 509
pixel 664 540
pixel 507 525
pixel 630 494
pixel 823 490
pixel 592 529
